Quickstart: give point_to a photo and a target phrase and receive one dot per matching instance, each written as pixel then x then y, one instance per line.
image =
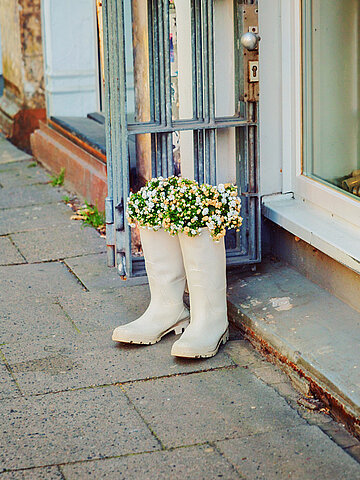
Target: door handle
pixel 250 40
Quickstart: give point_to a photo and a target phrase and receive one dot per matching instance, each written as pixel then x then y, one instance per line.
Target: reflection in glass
pixel 333 77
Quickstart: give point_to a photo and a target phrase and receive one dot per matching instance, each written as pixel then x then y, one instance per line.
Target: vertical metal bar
pixel 211 60
pixel 207 156
pixel 195 78
pixel 211 91
pixel 153 155
pixel 158 155
pixel 168 119
pixel 212 147
pixel 201 156
pixel 151 60
pixel 167 68
pixel 162 79
pixel 196 155
pixel 170 159
pixel 164 164
pixel 252 179
pixel 198 79
pixel 109 199
pixel 199 62
pixel 156 62
pixel 205 56
pixel 124 171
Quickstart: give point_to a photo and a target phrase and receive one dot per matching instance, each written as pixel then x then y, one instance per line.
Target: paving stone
pixel 72 361
pixel 210 406
pixel 8 387
pixel 35 217
pixel 286 390
pixel 269 374
pixel 192 463
pixel 69 427
pixel 96 275
pixel 27 320
pixel 243 353
pixel 29 195
pixel 9 153
pixel 299 453
pixel 8 252
pixel 93 311
pixel 58 242
pixel 22 173
pixel 46 473
pixel 43 279
pixel 300 320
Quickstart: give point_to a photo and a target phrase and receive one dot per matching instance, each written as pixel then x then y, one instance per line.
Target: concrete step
pixel 313 335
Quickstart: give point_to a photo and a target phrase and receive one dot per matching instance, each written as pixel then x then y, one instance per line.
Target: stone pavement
pixel 75 405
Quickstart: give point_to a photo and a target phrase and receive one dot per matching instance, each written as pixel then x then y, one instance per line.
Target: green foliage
pixel 66 199
pixel 32 165
pixel 91 216
pixel 58 180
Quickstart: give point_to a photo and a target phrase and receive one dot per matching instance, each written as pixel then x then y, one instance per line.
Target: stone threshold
pixel 310 333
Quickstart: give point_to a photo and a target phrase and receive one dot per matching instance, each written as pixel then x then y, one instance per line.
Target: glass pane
pixel 333 89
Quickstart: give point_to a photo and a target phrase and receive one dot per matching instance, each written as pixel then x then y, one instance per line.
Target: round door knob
pixel 250 40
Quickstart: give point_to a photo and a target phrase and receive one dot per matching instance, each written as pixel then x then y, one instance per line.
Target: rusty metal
pixel 335 408
pixel 250 24
pixel 243 247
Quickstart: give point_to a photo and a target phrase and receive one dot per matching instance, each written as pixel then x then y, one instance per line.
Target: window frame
pixel 338 204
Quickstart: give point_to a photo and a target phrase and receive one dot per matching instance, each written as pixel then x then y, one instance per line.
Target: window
pixel 331 93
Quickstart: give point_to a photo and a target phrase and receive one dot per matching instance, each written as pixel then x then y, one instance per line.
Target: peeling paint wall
pixel 22 52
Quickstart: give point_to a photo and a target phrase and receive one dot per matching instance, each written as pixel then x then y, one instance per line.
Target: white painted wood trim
pixel 319 195
pixel 332 235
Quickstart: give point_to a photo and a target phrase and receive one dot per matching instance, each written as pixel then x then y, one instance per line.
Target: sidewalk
pixel 74 405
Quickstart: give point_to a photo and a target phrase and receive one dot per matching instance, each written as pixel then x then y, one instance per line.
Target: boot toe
pixel 127 335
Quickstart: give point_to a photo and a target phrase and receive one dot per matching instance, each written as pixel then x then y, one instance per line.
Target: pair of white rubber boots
pixel 168 259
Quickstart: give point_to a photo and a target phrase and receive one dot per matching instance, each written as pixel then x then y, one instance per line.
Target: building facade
pixel 282 120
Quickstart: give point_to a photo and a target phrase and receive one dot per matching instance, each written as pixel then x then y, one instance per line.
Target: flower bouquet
pixel 181 205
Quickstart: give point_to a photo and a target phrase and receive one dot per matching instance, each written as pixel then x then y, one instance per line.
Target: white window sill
pixel 333 236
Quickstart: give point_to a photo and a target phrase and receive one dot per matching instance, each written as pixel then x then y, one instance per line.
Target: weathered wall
pixel 23 101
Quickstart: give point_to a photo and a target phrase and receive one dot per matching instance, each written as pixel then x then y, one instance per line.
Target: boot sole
pixel 223 339
pixel 177 328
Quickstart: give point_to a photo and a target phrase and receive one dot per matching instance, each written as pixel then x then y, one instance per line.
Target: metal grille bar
pixel 161 126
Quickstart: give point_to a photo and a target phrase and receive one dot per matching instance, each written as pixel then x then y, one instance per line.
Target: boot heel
pixel 180 327
pixel 225 337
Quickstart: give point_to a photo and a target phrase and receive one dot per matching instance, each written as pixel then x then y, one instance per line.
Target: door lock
pixel 253 71
pixel 250 42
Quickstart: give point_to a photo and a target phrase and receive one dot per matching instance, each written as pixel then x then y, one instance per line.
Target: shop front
pixel 309 133
pixel 184 95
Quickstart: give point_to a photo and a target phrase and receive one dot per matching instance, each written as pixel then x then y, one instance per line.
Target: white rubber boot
pixel 166 275
pixel 205 266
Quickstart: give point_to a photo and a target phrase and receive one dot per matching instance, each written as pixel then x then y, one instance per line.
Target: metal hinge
pixel 110 231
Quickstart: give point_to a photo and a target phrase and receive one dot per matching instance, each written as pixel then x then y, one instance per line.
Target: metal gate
pixel 161 126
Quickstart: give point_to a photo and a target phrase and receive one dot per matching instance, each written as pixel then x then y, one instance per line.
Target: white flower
pixel 221 188
pixel 205 211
